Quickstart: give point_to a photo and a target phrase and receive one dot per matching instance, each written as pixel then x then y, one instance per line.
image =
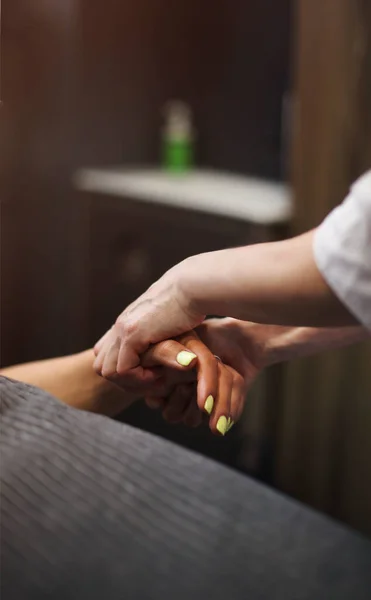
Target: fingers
pixel 221 414
pixel 179 407
pixel 177 403
pixel 193 417
pixel 125 356
pixel 207 371
pixel 155 403
pixel 220 393
pixel 101 342
pixel 170 354
pixel 238 396
pixel 106 361
pixel 106 358
pixel 219 390
pixel 215 384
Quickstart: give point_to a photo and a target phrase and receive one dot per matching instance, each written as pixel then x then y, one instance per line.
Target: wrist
pixel 187 288
pixel 280 346
pixel 269 344
pixel 90 392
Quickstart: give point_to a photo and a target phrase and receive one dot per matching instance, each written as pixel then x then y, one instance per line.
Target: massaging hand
pixel 210 388
pixel 162 312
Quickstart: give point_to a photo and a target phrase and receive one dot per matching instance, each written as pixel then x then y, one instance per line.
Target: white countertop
pixel 214 192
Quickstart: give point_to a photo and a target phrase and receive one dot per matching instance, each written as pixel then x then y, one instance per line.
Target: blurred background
pixel 136 133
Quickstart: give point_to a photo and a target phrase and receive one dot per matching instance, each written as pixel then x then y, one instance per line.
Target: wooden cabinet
pixel 130 244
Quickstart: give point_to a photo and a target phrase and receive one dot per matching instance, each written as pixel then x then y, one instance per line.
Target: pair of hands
pixel 183 376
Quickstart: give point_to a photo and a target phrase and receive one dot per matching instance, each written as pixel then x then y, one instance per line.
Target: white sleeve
pixel 342 250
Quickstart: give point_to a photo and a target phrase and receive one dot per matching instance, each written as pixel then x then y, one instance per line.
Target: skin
pixel 221 382
pixel 244 349
pixel 276 283
pixel 73 380
pixel 250 347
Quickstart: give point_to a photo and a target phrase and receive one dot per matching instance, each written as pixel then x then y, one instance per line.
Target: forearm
pixel 73 380
pixel 266 283
pixel 279 344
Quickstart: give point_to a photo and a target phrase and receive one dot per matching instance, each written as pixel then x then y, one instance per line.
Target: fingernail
pixel 222 425
pixel 230 424
pixel 208 406
pixel 185 358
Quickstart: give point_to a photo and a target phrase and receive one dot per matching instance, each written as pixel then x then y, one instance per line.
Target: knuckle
pixel 239 381
pixel 126 326
pixel 98 368
pixel 121 371
pixel 166 346
pixel 213 364
pixel 228 376
pixel 109 373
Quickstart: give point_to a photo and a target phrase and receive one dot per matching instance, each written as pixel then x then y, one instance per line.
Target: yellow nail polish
pixel 230 424
pixel 209 404
pixel 185 358
pixel 222 425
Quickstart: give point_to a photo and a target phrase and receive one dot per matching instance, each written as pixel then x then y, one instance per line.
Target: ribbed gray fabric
pixel 93 509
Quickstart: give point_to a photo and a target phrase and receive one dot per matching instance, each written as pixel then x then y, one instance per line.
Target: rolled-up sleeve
pixel 342 250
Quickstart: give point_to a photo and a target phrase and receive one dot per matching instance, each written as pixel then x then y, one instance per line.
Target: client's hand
pixel 242 348
pixel 211 388
pixel 220 391
pixel 240 344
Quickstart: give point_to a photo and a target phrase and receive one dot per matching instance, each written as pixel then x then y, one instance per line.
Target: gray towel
pixel 93 509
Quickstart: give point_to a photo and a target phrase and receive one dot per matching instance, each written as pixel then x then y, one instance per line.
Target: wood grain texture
pixel 83 84
pixel 324 453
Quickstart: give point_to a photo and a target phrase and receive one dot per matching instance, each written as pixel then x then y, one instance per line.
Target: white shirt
pixel 342 250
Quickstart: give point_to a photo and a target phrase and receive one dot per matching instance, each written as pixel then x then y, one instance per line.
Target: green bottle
pixel 177 151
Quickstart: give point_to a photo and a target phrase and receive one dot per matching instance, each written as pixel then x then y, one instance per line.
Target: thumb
pixel 169 354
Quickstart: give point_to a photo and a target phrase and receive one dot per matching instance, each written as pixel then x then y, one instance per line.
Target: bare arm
pixel 250 347
pixel 276 283
pixel 280 344
pixel 179 364
pixel 73 380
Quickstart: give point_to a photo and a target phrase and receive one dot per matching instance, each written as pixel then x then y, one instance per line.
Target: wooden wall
pixel 37 157
pixel 324 452
pixel 83 83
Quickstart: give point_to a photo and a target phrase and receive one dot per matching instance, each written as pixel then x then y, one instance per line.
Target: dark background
pixel 83 84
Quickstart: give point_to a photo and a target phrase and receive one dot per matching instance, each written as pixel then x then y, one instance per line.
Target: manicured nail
pixel 185 358
pixel 230 424
pixel 222 425
pixel 209 404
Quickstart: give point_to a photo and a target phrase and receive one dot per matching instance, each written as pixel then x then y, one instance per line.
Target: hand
pixel 217 391
pixel 163 366
pixel 161 313
pixel 240 344
pixel 220 392
pixel 244 349
pixel 73 380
